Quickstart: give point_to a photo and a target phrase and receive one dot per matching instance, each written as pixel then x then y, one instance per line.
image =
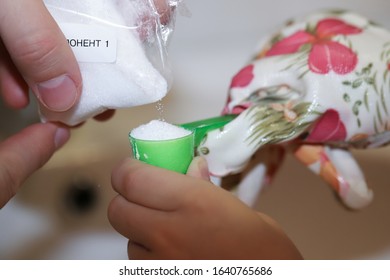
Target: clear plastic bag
pixel 121 47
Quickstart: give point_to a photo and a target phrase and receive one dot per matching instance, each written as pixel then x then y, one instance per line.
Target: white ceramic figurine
pixel 316 88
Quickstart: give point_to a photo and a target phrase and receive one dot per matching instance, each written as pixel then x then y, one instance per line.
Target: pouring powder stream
pixel 160 110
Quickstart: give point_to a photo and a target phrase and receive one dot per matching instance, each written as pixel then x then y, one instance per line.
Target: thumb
pixel 40 53
pixel 26 152
pixel 199 169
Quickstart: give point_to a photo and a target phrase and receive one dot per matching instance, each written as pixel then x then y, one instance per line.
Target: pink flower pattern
pixel 328 128
pixel 243 77
pixel 325 55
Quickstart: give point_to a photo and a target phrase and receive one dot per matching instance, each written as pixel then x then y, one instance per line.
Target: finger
pixel 25 152
pixel 199 169
pixel 40 52
pixel 133 221
pixel 163 10
pixel 161 5
pixel 105 115
pixel 150 186
pixel 136 251
pixel 12 86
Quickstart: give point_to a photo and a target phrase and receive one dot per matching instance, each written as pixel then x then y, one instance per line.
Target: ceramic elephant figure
pixel 316 89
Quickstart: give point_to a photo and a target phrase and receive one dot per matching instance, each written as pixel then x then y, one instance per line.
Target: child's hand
pixel 167 215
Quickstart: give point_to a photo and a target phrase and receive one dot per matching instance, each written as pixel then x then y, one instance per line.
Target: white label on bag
pixel 91 43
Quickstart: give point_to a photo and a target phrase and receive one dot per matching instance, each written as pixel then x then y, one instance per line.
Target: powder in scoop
pixel 159 130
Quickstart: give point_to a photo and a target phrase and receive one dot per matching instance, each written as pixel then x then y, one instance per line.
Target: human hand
pixel 166 215
pixel 25 152
pixel 33 54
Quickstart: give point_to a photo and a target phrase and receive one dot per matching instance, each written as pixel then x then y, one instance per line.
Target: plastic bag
pixel 121 47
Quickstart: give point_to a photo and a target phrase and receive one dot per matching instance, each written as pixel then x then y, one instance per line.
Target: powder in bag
pixel 121 57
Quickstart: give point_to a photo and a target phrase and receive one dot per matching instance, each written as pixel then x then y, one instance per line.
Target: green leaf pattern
pixel 271 126
pixel 367 79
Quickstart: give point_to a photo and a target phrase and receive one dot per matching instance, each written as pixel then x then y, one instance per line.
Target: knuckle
pixel 38 50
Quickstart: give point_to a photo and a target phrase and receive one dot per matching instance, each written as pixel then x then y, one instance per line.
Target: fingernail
pixel 61 136
pixel 58 94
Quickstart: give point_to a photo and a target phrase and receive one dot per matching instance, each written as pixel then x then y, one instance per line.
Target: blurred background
pixel 61 211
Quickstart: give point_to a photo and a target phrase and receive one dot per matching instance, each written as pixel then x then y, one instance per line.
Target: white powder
pixel 159 130
pixel 132 79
